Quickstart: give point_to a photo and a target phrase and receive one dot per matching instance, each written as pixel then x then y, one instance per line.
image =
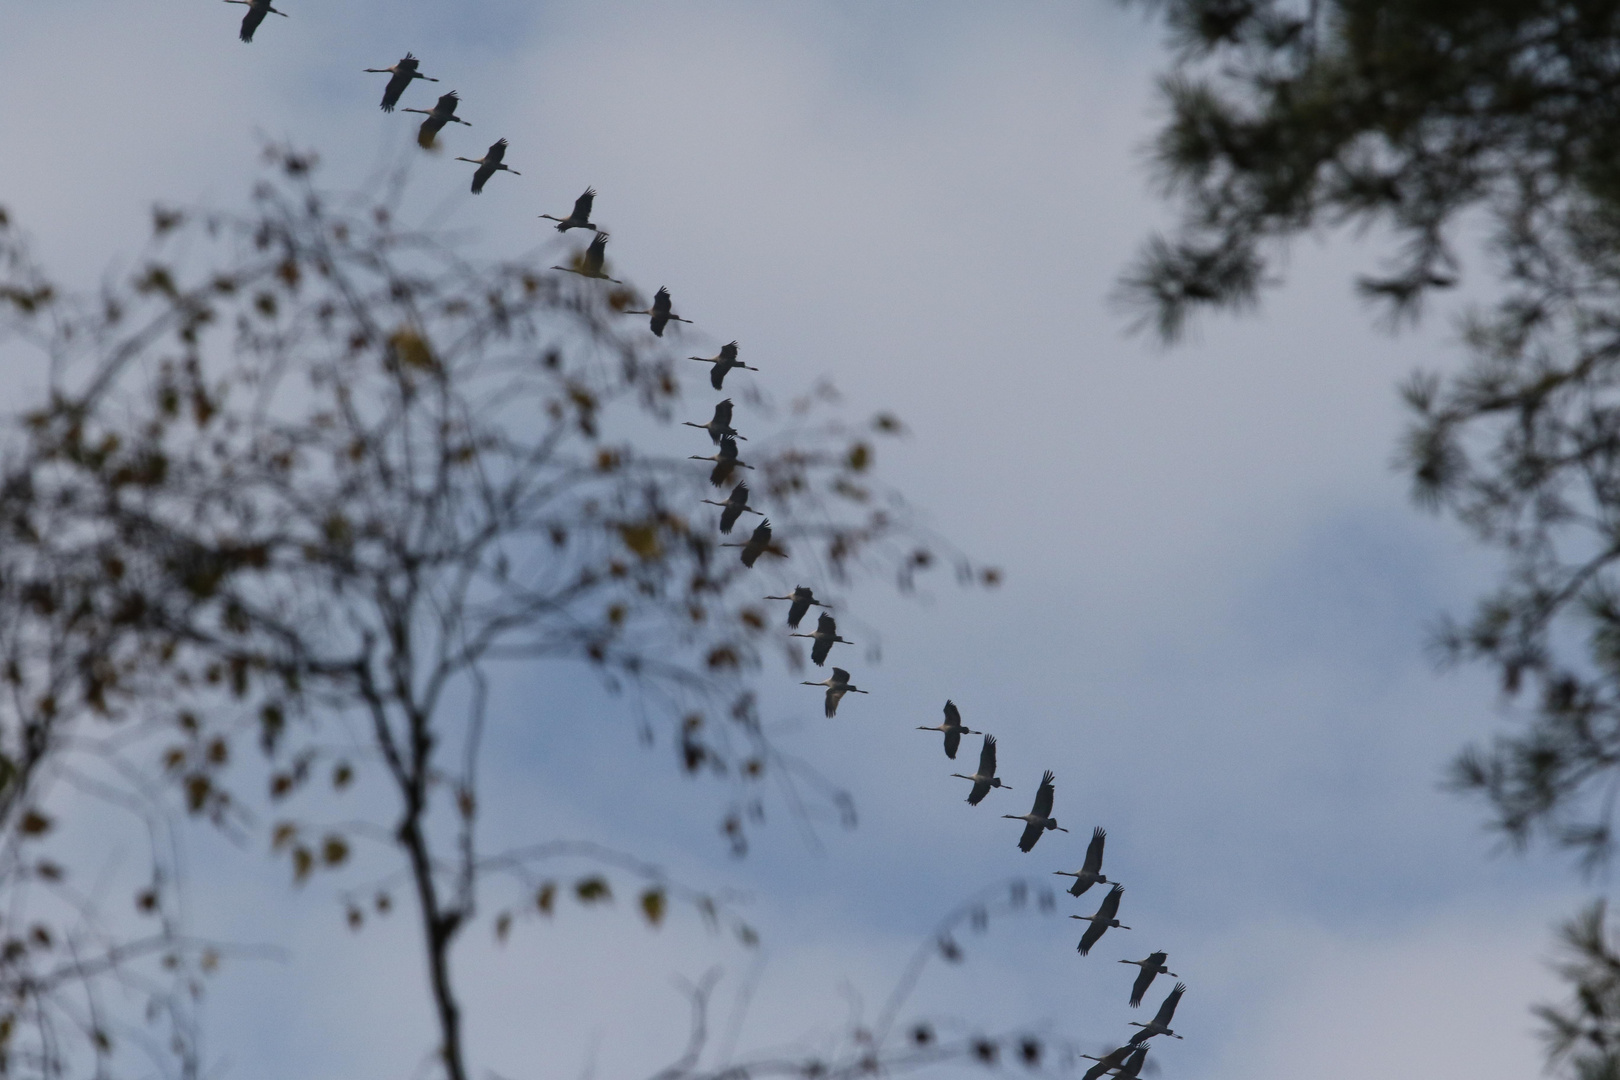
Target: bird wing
pixel 1133 1064
pixel 657 323
pixel 497 151
pixel 717 376
pixel 729 516
pixel 1032 833
pixel 396 87
pixel 728 447
pixel 722 414
pixel 834 696
pixel 1109 908
pixel 728 351
pixel 1109 1061
pixel 1093 932
pixel 987 757
pixel 819 650
pixel 582 205
pixel 762 533
pixel 980 790
pixel 952 716
pixel 840 675
pixel 796 611
pixel 251 21
pixel 1143 981
pixel 953 739
pixel 1043 796
pixel 596 253
pixel 722 469
pixel 481 177
pixel 1167 1011
pixel 430 127
pixel 661 301
pixel 447 102
pixel 826 624
pixel 1094 850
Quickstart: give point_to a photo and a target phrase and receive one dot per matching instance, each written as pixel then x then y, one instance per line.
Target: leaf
pixel 652 905
pixel 303 861
pixel 34 823
pixel 334 850
pixel 282 835
pixel 408 347
pixel 342 775
pixel 860 457
pixel 503 926
pixel 642 539
pixel 546 898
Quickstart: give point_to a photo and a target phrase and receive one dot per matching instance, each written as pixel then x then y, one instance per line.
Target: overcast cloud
pixel 1216 594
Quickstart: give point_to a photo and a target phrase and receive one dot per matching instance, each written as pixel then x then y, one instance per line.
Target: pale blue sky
pixel 1216 593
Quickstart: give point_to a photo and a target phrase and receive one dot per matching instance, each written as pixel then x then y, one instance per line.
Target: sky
pixel 1217 592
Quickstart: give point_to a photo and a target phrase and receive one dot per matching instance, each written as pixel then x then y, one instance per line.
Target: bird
pixel 837 686
pixel 660 311
pixel 1040 818
pixel 1106 916
pixel 1160 1024
pixel 1151 967
pixel 1091 872
pixel 723 363
pixel 736 505
pixel 256 11
pixel 986 777
pixel 756 546
pixel 589 263
pixel 442 113
pixel 826 634
pixel 402 72
pixel 725 461
pixel 953 729
pixel 1133 1064
pixel 1108 1063
pixel 580 218
pixel 720 424
pixel 489 165
pixel 803 600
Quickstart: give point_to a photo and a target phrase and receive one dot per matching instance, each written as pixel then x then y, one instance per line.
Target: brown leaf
pixel 652 905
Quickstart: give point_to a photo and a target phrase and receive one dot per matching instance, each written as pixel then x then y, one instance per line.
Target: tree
pixel 1428 121
pixel 308 478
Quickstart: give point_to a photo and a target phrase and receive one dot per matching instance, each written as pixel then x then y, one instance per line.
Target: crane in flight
pixel 442 113
pixel 1160 1024
pixel 735 506
pixel 756 546
pixel 256 11
pixel 725 461
pixel 719 424
pixel 1090 873
pixel 1108 1063
pixel 662 314
pixel 491 163
pixel 826 633
pixel 589 263
pixel 723 363
pixel 403 73
pixel 953 729
pixel 1107 915
pixel 986 777
pixel 580 216
pixel 837 685
pixel 803 600
pixel 1152 967
pixel 1039 818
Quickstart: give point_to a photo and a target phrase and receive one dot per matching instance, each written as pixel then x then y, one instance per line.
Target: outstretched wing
pixel 1143 981
pixel 952 716
pixel 840 675
pixel 834 696
pixel 1032 833
pixel 728 447
pixel 797 609
pixel 728 351
pixel 1108 910
pixel 251 21
pixel 447 102
pixel 717 376
pixel 661 301
pixel 1094 851
pixel 582 205
pixel 722 414
pixel 953 739
pixel 497 151
pixel 1108 1062
pixel 826 624
pixel 1093 933
pixel 1043 797
pixel 980 790
pixel 1167 1011
pixel 1133 1064
pixel 596 253
pixel 987 757
pixel 733 511
pixel 395 88
pixel 819 650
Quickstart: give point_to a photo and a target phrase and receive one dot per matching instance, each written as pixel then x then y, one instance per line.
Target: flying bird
pixel 589 263
pixel 825 635
pixel 953 729
pixel 803 600
pixel 489 165
pixel 1091 872
pixel 735 506
pixel 1151 967
pixel 986 777
pixel 756 546
pixel 256 11
pixel 580 218
pixel 402 72
pixel 1107 915
pixel 723 363
pixel 1040 818
pixel 1160 1024
pixel 660 311
pixel 1109 1062
pixel 725 461
pixel 720 424
pixel 837 686
pixel 442 113
pixel 1133 1064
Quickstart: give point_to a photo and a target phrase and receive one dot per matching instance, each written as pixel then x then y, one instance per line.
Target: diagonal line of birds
pixel 1125 1061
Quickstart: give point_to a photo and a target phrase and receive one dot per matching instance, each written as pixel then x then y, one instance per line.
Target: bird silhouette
pixel 986 777
pixel 735 506
pixel 590 262
pixel 837 685
pixel 660 311
pixel 803 600
pixel 491 163
pixel 826 633
pixel 756 545
pixel 1160 1024
pixel 1040 818
pixel 720 424
pixel 442 113
pixel 256 11
pixel 953 729
pixel 580 217
pixel 724 362
pixel 403 73
pixel 1152 967
pixel 1090 873
pixel 1106 916
pixel 725 461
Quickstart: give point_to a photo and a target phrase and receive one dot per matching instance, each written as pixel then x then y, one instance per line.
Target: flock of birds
pixel 1125 1061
